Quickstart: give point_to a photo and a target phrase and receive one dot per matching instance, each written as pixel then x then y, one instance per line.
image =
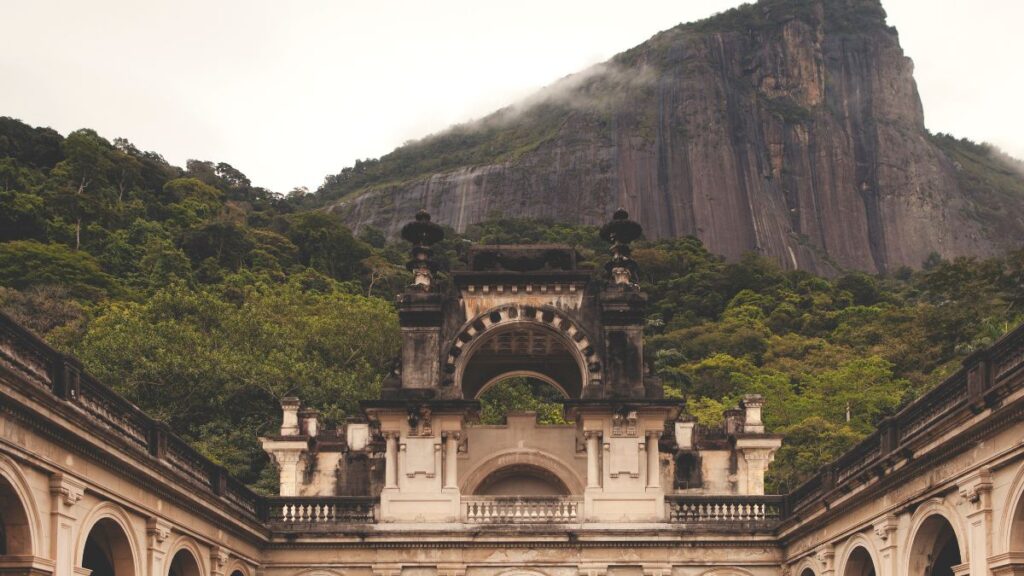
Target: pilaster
pixel 66 492
pixel 885 529
pixel 158 536
pixel 219 557
pixel 826 556
pixel 976 490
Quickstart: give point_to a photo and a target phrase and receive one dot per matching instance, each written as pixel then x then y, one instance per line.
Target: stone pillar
pixel 290 462
pixel 158 536
pixel 752 404
pixel 976 489
pixel 593 466
pixel 391 460
pixel 290 416
pixel 757 464
pixel 451 459
pixel 653 460
pixel 66 492
pixel 885 529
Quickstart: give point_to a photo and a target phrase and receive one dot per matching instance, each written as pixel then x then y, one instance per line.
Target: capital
pixel 69 490
pixel 158 531
pixel 976 489
pixel 886 526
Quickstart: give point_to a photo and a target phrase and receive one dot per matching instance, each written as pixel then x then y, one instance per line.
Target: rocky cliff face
pixel 790 127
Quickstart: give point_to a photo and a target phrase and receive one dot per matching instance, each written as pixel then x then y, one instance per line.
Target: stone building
pixel 91 486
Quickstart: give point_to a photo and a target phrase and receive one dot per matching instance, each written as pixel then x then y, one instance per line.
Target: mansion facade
pixel 631 486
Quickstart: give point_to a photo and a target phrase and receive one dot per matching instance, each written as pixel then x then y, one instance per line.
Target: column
pixel 653 460
pixel 593 467
pixel 391 460
pixel 290 462
pixel 451 459
pixel 66 492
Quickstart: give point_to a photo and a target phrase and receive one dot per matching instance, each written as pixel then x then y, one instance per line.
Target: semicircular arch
pixel 188 545
pixel 31 522
pixel 923 518
pixel 855 542
pixel 110 512
pixel 807 564
pixel 522 457
pixel 567 332
pixel 524 374
pixel 1012 523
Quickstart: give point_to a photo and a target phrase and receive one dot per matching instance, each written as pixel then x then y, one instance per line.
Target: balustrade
pixel 320 510
pixel 725 510
pixel 527 509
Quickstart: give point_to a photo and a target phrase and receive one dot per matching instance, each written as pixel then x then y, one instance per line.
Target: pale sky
pixel 288 92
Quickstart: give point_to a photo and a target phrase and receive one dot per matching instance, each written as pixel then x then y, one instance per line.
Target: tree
pixel 325 244
pixel 27 263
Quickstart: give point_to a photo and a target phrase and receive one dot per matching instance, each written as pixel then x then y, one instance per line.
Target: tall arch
pixel 859 558
pixel 108 545
pixel 184 560
pixel 935 542
pixel 20 524
pixel 1012 525
pixel 516 338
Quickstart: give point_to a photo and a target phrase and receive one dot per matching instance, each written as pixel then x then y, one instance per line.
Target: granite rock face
pixel 791 128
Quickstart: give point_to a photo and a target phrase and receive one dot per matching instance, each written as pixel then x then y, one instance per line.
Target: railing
pixel 725 511
pixel 61 378
pixel 312 511
pixel 521 509
pixel 985 376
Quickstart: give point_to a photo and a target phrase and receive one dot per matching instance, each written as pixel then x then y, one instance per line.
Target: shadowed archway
pixel 935 549
pixel 107 550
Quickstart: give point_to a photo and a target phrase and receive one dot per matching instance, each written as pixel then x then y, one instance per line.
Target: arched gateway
pixel 528 311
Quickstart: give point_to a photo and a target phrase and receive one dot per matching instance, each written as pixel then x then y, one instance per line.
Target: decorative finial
pixel 621 269
pixel 422 234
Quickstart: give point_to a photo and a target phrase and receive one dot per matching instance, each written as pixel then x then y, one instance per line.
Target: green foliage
pixel 521 395
pixel 215 364
pixel 27 263
pixel 205 300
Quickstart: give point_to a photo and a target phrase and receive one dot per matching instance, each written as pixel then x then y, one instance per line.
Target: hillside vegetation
pixel 205 300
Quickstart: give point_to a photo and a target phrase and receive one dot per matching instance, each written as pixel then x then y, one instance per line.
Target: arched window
pixel 107 550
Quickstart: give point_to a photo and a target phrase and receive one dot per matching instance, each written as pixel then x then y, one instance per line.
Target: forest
pixel 205 300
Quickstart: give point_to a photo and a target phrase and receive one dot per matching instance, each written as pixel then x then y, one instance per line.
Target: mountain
pixel 788 127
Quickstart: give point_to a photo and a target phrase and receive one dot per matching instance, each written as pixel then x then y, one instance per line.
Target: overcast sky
pixel 288 92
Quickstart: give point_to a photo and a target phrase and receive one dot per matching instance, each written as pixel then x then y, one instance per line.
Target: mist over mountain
pixel 792 128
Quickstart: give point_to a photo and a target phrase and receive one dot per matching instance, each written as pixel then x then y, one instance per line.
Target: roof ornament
pixel 621 269
pixel 422 234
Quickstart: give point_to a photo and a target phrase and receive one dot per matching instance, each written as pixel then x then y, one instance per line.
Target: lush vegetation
pixel 205 300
